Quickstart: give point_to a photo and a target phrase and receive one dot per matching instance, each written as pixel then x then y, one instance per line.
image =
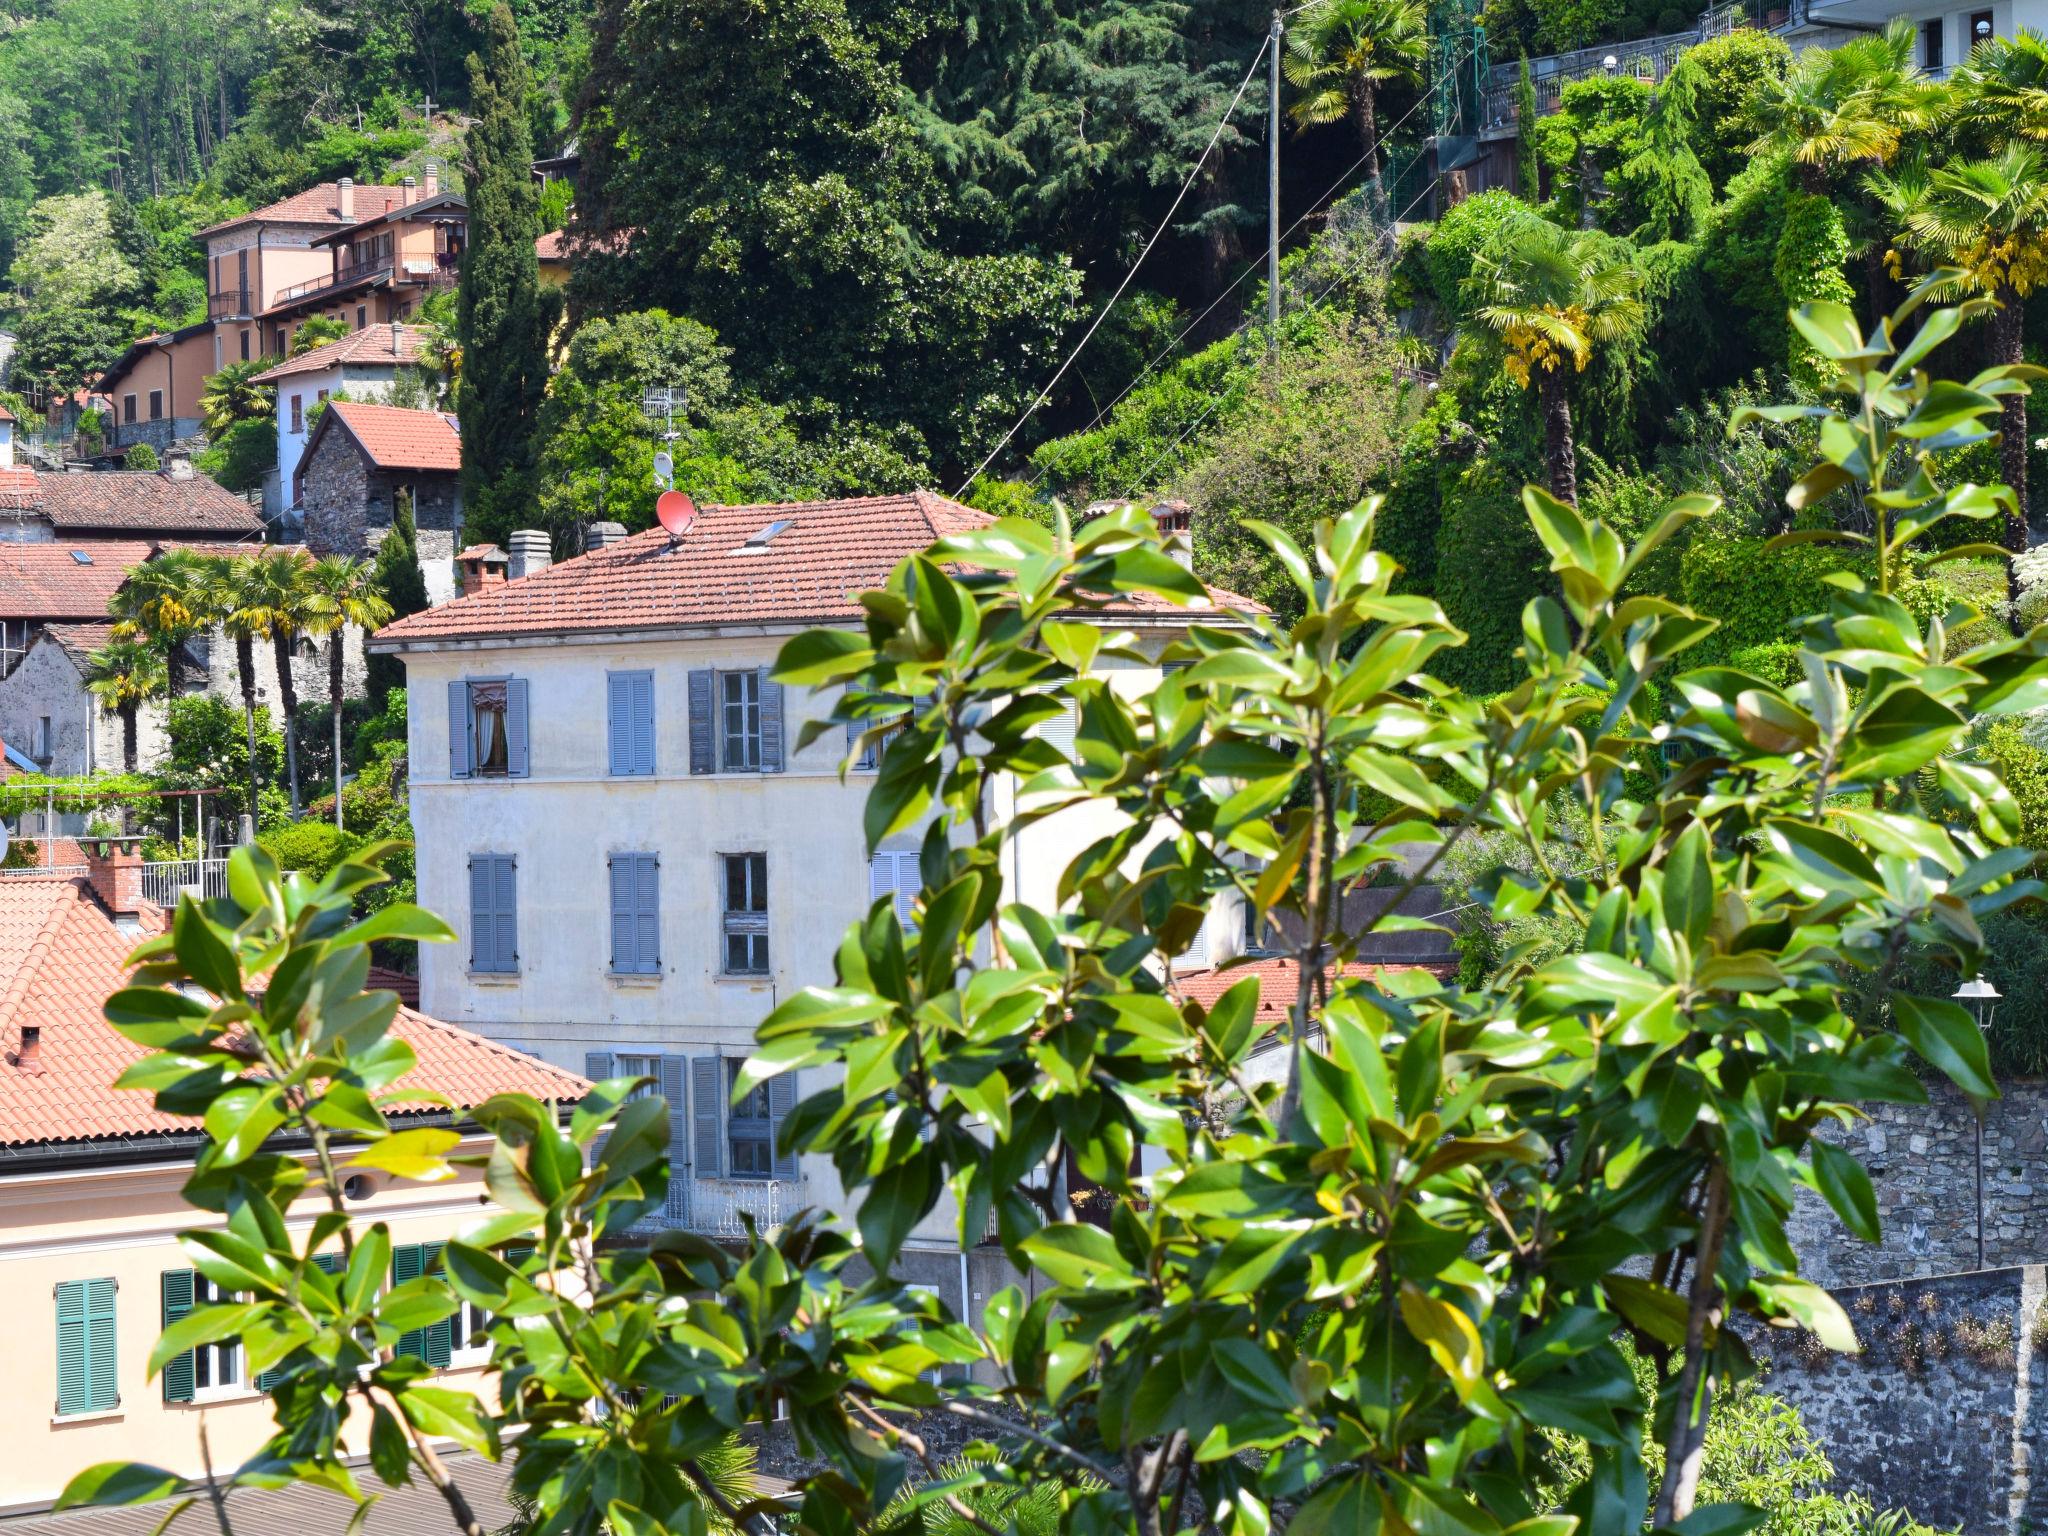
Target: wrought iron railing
pixel 227 306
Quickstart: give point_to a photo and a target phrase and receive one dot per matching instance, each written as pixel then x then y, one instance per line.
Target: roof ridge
pixel 486 1045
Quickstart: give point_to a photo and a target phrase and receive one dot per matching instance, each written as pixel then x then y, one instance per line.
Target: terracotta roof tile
pixel 407 987
pixel 46 581
pixel 549 246
pixel 145 501
pixel 807 573
pixel 18 492
pixel 320 204
pixel 369 347
pixel 1278 981
pixel 61 955
pixel 6 414
pixel 395 438
pixel 80 640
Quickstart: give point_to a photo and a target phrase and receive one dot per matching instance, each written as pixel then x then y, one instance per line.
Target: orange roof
pixel 145 500
pixel 48 581
pixel 61 955
pixel 370 347
pixel 6 414
pixel 808 572
pixel 18 491
pixel 321 204
pixel 1279 980
pixel 549 246
pixel 392 437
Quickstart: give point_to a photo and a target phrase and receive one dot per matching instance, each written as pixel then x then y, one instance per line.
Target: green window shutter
pixel 178 1376
pixel 439 1337
pixel 86 1381
pixel 330 1263
pixel 406 1265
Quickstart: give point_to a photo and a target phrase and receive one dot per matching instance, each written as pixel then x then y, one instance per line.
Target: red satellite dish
pixel 676 512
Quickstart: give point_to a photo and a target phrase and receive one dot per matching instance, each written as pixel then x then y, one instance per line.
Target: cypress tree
pixel 1528 175
pixel 396 572
pixel 499 315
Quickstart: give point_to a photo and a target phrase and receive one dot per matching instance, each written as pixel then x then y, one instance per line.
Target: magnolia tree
pixel 1373 1278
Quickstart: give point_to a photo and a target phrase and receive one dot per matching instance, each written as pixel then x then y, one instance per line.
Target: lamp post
pixel 1981 998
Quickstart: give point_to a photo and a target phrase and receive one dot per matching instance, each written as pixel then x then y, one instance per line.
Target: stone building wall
pixel 347 508
pixel 1922 1162
pixel 1945 1410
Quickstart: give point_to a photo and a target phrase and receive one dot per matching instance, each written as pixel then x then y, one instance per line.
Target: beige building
pixel 612 808
pixel 90 1207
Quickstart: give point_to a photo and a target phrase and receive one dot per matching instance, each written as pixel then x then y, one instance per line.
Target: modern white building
pixel 611 808
pixel 1947 32
pixel 363 365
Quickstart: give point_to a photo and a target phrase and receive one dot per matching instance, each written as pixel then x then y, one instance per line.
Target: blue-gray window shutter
pixel 707 1105
pixel 505 902
pixel 483 923
pixel 618 687
pixel 647 911
pixel 517 761
pixel 866 749
pixel 458 730
pixel 771 724
pixel 625 956
pixel 782 1100
pixel 703 757
pixel 597 1066
pixel 643 723
pixel 675 1088
pixel 179 1375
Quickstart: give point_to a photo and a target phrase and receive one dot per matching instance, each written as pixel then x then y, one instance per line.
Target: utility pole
pixel 1273 187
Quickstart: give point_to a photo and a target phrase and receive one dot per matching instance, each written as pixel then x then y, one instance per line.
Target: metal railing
pixel 437 271
pixel 225 306
pixel 41 872
pixel 714 1206
pixel 1648 59
pixel 163 883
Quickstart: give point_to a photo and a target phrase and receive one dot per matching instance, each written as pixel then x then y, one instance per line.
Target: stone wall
pixel 1922 1162
pixel 334 497
pixel 347 507
pixel 1945 1409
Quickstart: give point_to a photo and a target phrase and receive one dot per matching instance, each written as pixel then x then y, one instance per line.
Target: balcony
pixel 713 1207
pixel 232 305
pixel 437 271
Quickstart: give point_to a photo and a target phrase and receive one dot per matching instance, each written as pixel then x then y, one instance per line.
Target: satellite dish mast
pixel 665 470
pixel 675 511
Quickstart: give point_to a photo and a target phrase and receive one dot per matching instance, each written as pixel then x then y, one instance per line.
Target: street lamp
pixel 1981 998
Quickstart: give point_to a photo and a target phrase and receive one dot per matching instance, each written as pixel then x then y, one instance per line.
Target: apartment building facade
pixel 611 806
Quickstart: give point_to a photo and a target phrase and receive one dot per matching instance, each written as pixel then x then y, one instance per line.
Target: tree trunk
pixel 1557 436
pixel 174 668
pixel 128 738
pixel 288 693
pixel 1813 178
pixel 2009 344
pixel 334 659
pixel 1363 115
pixel 1685 1453
pixel 245 666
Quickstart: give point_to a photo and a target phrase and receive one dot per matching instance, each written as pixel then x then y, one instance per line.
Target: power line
pixel 1319 205
pixel 1179 197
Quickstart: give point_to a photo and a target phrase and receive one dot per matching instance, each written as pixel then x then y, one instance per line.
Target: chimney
pixel 433 173
pixel 529 555
pixel 479 567
pixel 407 192
pixel 348 201
pixel 398 340
pixel 30 1058
pixel 602 536
pixel 114 871
pixel 1175 521
pixel 178 468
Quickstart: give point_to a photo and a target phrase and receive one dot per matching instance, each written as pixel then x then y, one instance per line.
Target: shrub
pixel 312 848
pixel 1457 240
pixel 141 456
pixel 1719 77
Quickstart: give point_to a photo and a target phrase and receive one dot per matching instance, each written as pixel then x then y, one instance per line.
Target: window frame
pixel 225 1358
pixel 751 734
pixel 749 922
pixel 746 1128
pixel 477 770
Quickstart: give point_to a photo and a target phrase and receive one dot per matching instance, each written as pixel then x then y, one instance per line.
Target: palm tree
pixel 124 675
pixel 231 594
pixel 1553 295
pixel 230 397
pixel 1836 107
pixel 341 592
pixel 275 604
pixel 1338 56
pixel 163 602
pixel 1987 219
pixel 2001 89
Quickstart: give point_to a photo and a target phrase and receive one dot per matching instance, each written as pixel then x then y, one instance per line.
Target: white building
pixel 363 364
pixel 1947 32
pixel 611 809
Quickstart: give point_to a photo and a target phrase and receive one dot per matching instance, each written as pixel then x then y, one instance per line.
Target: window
pixel 487 728
pixel 739 713
pixel 215 1365
pixel 630 722
pixel 86 1382
pixel 298 413
pixel 1930 42
pixel 750 1129
pixel 735 722
pixel 245 346
pixel 746 914
pixel 282 337
pixel 1981 27
pixel 362 316
pixel 39 739
pixel 435 1342
pixel 896 874
pixel 636 914
pixel 494 913
pixel 156 405
pixel 128 410
pixel 1255 933
pixel 322 396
